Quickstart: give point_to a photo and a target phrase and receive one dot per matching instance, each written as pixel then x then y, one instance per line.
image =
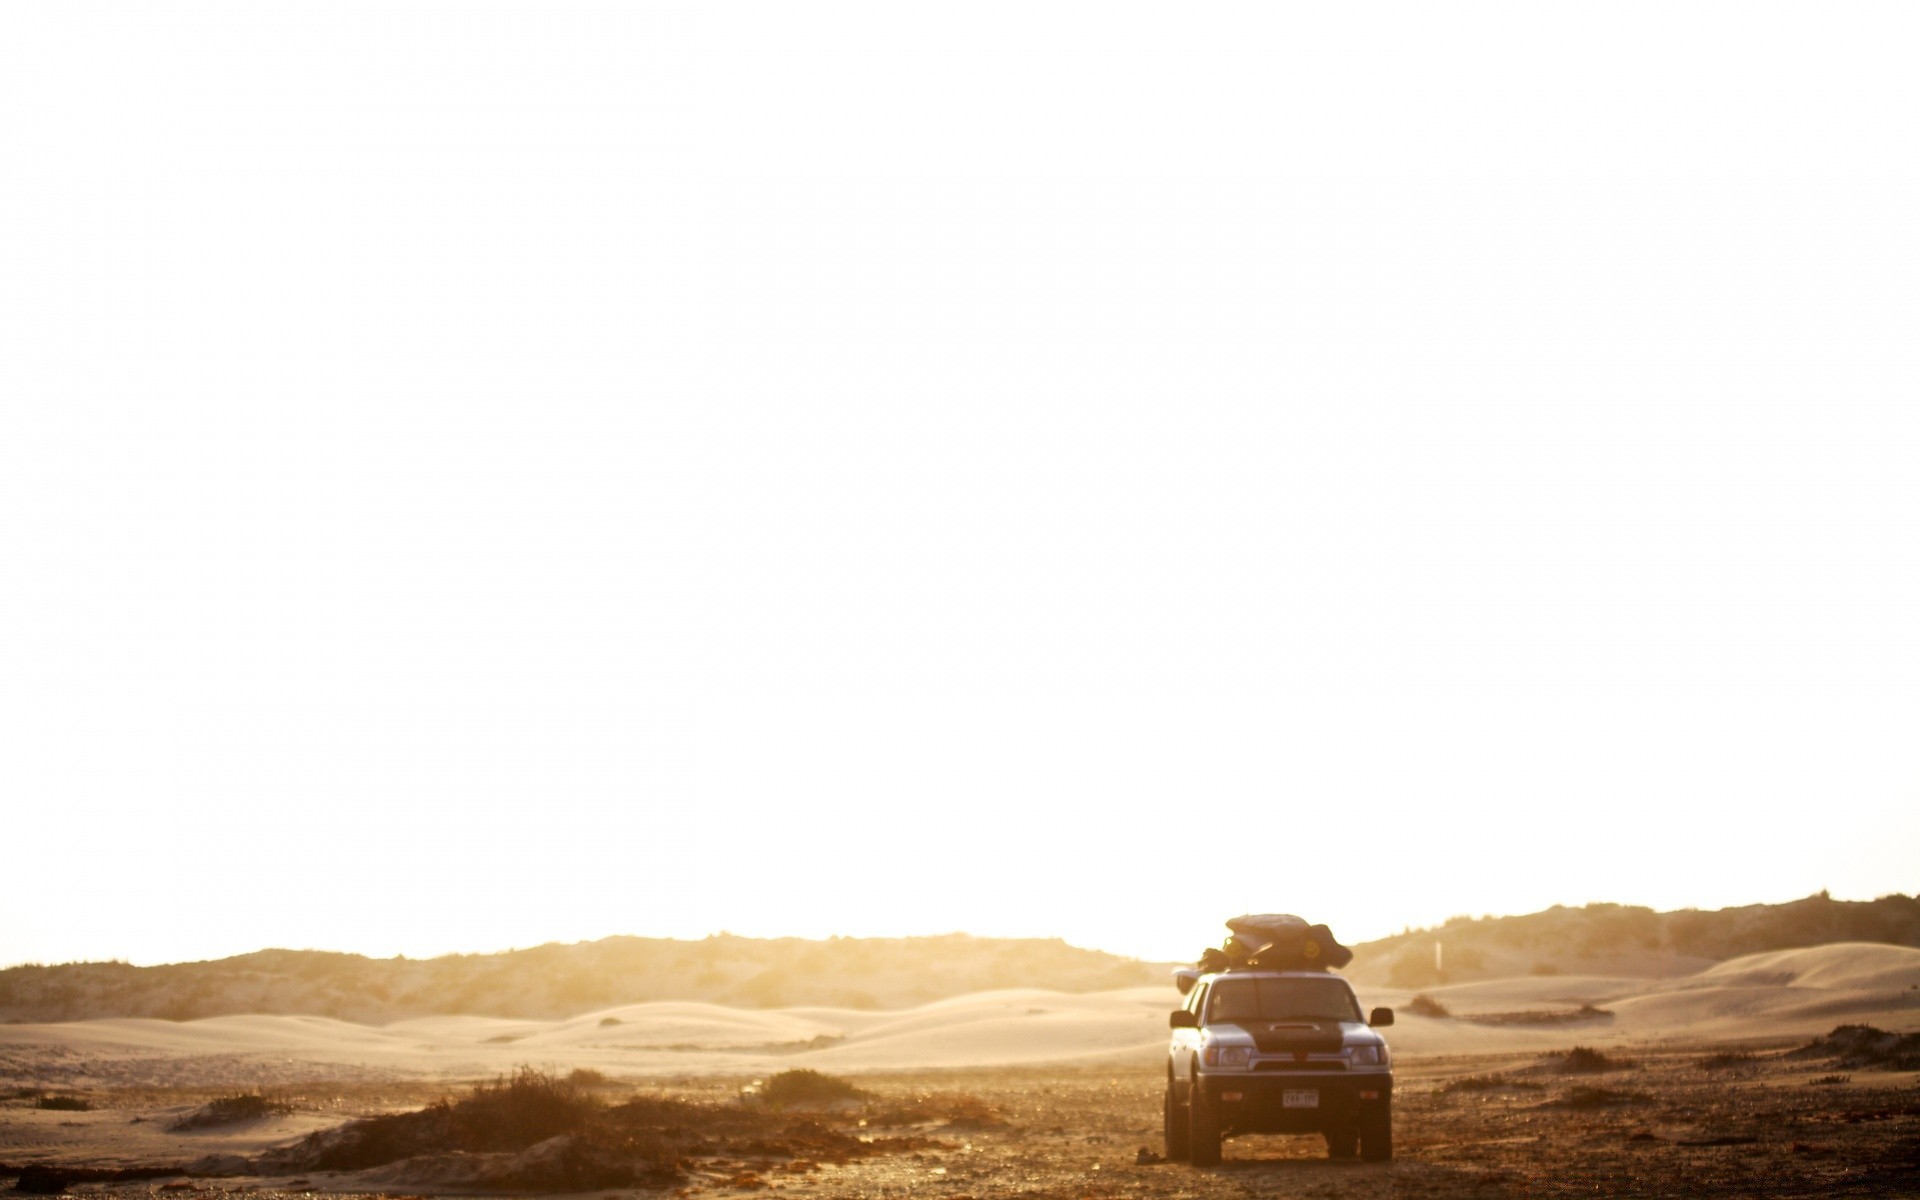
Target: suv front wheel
pixel 1376 1133
pixel 1342 1141
pixel 1203 1127
pixel 1175 1127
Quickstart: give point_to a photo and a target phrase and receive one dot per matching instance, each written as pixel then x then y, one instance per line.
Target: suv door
pixel 1185 1045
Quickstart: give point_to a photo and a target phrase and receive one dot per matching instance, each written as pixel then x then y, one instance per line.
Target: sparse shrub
pixel 37 1180
pixel 954 1110
pixel 536 1132
pixel 1570 1016
pixel 807 1088
pixel 1584 1060
pixel 1484 1083
pixel 587 1077
pixel 1726 1059
pixel 1831 1080
pixel 64 1104
pixel 528 1106
pixel 1597 1097
pixel 231 1110
pixel 1544 969
pixel 1424 1005
pixel 606 1021
pixel 510 1113
pixel 1865 1046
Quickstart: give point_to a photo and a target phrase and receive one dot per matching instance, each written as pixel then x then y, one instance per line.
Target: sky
pixel 477 475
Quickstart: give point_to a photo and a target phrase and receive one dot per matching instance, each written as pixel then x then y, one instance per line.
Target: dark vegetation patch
pixel 1595 1097
pixel 64 1104
pixel 1582 1060
pixel 950 1110
pixel 1727 1059
pixel 587 1077
pixel 231 1110
pixel 1424 1005
pixel 1567 1016
pixel 1719 1139
pixel 1865 1046
pixel 1484 1083
pixel 538 1131
pixel 807 1088
pixel 42 1180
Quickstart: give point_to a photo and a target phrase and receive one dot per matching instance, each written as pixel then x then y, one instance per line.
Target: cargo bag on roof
pixel 1276 942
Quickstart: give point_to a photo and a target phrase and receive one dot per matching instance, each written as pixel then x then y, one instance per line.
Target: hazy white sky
pixel 476 475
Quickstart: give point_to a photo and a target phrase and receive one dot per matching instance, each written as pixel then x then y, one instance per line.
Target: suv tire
pixel 1343 1141
pixel 1203 1127
pixel 1376 1133
pixel 1179 1145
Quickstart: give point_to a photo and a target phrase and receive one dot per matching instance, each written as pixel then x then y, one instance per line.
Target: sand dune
pixel 1781 995
pixel 1855 965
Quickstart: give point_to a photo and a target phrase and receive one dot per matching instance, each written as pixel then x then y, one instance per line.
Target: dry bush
pixel 1865 1046
pixel 1726 1059
pixel 807 1088
pixel 1485 1083
pixel 535 1131
pixel 1570 1016
pixel 512 1113
pixel 953 1110
pixel 1584 1060
pixel 64 1104
pixel 1596 1097
pixel 231 1110
pixel 1424 1005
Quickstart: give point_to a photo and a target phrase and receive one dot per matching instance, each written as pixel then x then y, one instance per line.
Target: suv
pixel 1258 1051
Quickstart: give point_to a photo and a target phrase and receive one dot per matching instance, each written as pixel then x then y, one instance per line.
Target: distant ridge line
pixel 555 981
pixel 1628 940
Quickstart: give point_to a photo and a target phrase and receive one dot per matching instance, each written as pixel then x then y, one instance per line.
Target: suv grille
pixel 1312 1064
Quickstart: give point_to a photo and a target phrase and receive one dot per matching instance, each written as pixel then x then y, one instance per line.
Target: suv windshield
pixel 1325 999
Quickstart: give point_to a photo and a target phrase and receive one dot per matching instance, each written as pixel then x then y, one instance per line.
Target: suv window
pixel 1325 999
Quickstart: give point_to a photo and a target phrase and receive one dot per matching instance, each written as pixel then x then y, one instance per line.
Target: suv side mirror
pixel 1379 1017
pixel 1180 1018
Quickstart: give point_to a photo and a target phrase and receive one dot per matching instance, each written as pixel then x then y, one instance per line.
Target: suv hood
pixel 1295 1036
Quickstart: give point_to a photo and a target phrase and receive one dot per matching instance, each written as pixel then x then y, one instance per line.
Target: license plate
pixel 1299 1099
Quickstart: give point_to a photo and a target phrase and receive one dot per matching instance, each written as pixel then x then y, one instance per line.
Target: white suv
pixel 1277 1052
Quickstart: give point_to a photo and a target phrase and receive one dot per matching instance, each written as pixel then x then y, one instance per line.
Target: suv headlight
pixel 1232 1058
pixel 1367 1056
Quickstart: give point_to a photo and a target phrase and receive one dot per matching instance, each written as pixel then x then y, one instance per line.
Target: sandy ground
pixel 1075 1081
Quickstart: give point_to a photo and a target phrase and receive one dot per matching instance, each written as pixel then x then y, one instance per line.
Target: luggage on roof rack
pixel 1275 942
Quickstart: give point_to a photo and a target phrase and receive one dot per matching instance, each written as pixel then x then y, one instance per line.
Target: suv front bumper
pixel 1257 1102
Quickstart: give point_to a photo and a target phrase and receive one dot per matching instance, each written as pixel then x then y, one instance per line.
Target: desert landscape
pixel 687 601
pixel 1786 1072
